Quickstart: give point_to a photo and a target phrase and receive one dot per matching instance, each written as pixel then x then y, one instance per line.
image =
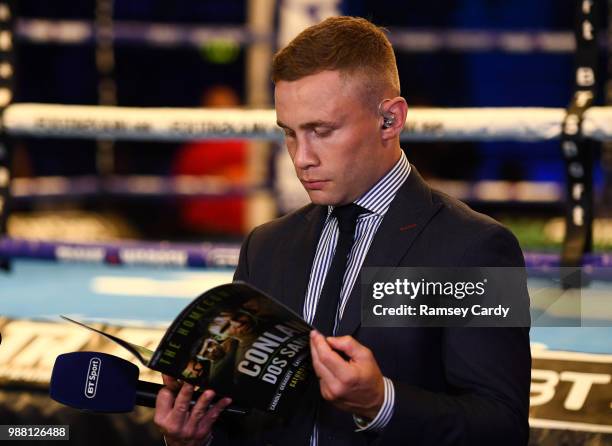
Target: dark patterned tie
pixel 325 315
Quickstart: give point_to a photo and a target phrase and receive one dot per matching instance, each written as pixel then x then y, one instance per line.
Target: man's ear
pixel 393 117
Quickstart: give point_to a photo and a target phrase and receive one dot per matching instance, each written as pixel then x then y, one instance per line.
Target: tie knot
pixel 347 217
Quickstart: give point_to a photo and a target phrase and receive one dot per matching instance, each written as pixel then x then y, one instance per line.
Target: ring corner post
pixel 576 148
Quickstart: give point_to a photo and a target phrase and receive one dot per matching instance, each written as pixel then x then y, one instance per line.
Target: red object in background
pixel 226 159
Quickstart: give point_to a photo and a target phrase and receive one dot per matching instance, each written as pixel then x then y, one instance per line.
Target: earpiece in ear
pixel 388 118
pixel 388 121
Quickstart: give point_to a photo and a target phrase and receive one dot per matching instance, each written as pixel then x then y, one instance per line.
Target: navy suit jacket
pixel 454 386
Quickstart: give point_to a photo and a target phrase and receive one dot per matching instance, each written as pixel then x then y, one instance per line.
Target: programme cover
pixel 238 341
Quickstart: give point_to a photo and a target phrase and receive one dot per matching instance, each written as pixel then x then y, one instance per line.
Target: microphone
pixel 99 382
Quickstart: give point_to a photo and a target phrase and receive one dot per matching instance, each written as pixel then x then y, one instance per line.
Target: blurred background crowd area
pixel 520 183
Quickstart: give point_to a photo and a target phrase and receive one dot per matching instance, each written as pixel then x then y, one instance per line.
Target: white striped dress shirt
pixel 377 201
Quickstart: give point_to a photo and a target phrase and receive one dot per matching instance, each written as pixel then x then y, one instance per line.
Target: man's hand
pixel 180 425
pixel 355 385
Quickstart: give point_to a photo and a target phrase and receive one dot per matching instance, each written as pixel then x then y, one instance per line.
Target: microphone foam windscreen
pixel 94 381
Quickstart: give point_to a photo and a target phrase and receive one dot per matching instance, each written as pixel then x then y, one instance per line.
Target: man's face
pixel 241 324
pixel 231 324
pixel 214 351
pixel 332 135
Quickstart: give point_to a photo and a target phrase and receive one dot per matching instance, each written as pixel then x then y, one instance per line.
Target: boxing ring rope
pixel 180 124
pixel 187 186
pixel 201 255
pixel 208 186
pixel 186 255
pixel 415 40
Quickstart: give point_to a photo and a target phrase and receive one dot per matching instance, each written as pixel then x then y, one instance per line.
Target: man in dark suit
pixel 337 99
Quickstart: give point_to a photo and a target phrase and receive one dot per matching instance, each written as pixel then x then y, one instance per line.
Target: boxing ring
pixel 136 287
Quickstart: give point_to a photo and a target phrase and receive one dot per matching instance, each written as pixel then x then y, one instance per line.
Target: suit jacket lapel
pixel 301 254
pixel 407 216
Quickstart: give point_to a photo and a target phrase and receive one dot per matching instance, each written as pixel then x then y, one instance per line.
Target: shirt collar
pixel 378 199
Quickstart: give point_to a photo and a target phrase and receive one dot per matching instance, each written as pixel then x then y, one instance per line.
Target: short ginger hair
pixel 350 45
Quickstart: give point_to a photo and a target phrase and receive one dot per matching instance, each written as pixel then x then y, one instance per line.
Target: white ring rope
pixel 179 124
